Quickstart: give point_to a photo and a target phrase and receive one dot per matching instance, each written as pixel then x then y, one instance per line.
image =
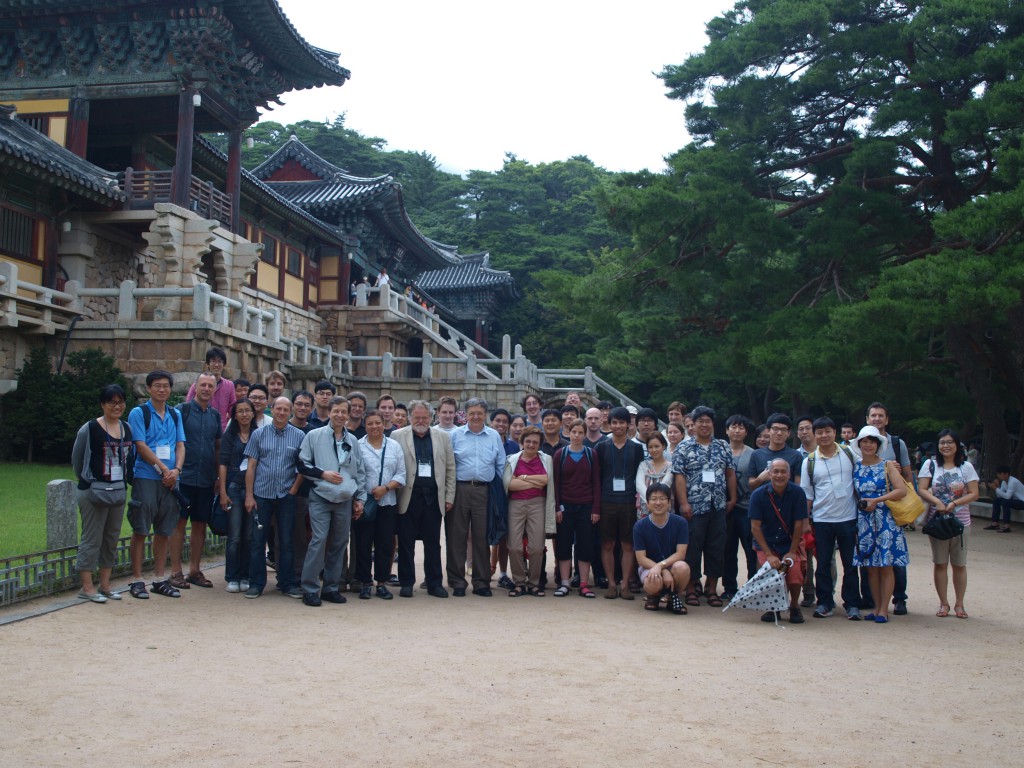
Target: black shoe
pixel 311 599
pixel 482 591
pixel 808 602
pixel 459 591
pixel 796 616
pixel 900 608
pixel 407 592
pixel 365 592
pixel 393 581
pixel 333 597
pixel 771 616
pixel 438 591
pixel 423 584
pixel 383 592
pixel 574 583
pixel 602 583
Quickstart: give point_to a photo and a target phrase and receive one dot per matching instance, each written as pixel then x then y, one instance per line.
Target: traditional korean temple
pixel 123 227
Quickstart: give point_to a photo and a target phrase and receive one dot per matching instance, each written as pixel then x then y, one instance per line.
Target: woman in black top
pixel 232 465
pixel 101 456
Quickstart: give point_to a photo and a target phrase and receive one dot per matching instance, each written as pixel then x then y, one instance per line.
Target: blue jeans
pixel 1006 506
pixel 282 512
pixel 827 537
pixel 239 535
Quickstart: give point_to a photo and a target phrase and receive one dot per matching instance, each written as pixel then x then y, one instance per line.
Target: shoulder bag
pixel 906 510
pixel 370 505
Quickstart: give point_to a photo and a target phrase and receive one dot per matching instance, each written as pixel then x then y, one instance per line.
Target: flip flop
pixel 959 611
pixel 943 611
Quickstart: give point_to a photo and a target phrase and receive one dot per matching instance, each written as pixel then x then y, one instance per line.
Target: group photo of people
pixel 334 492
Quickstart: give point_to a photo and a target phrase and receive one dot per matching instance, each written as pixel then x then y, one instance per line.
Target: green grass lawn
pixel 23 506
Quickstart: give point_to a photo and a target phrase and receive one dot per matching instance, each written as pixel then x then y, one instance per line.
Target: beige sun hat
pixel 869 431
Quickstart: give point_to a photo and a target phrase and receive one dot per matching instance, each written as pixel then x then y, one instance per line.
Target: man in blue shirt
pixel 659 541
pixel 160 455
pixel 479 458
pixel 778 518
pixel 270 488
pixel 201 424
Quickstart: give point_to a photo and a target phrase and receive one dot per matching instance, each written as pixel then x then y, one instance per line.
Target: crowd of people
pixel 333 491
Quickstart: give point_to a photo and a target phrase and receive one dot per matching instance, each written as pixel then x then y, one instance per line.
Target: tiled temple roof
pixel 473 271
pixel 32 152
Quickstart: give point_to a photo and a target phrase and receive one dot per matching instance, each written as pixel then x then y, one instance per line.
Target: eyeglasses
pixel 946 442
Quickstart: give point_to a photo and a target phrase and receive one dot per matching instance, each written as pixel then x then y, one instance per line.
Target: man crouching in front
pixel 660 541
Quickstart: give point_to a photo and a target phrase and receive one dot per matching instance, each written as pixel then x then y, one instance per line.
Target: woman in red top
pixel 578 497
pixel 531 510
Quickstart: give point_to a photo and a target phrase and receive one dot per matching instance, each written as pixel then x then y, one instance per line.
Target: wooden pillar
pixel 78 126
pixel 234 180
pixel 481 333
pixel 183 150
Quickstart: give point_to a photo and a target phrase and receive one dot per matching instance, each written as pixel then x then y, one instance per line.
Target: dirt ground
pixel 214 679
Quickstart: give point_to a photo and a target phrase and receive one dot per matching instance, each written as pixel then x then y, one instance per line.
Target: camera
pixel 862 504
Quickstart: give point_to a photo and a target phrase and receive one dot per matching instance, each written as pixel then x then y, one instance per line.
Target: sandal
pixel 714 601
pixel 959 611
pixel 652 603
pixel 536 591
pixel 943 611
pixel 676 605
pixel 692 599
pixel 177 581
pixel 518 591
pixel 586 591
pixel 199 580
pixel 138 589
pixel 166 589
pixel 562 591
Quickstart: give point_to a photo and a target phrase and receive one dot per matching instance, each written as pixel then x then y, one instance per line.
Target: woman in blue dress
pixel 880 541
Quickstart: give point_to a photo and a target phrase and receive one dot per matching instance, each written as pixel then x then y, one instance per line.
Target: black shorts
pixel 617 521
pixel 200 507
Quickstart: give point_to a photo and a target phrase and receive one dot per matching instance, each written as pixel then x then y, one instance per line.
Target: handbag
pixel 220 519
pixel 108 494
pixel 906 510
pixel 943 526
pixel 370 505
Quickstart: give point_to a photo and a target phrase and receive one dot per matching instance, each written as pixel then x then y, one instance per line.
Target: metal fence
pixel 24 577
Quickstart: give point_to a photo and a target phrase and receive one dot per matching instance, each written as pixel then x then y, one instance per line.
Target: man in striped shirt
pixel 271 482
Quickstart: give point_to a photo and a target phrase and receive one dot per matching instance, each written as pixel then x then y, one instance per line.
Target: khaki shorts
pixel 950 551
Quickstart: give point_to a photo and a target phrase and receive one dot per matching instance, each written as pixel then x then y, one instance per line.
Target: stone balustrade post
pixel 127 304
pixel 201 302
pixel 387 366
pixel 428 366
pixel 506 354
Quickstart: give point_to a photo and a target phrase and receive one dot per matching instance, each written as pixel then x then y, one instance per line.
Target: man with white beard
pixel 428 494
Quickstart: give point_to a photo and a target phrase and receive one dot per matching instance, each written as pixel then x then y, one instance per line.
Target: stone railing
pixel 33 307
pixel 50 311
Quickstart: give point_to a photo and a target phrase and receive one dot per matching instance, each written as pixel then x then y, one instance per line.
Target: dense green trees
pixel 845 225
pixel 41 417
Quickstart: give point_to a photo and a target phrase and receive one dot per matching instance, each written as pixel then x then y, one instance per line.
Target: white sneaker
pixel 233 586
pixel 243 585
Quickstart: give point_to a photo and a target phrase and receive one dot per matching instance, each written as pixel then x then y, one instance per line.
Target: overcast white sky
pixel 469 81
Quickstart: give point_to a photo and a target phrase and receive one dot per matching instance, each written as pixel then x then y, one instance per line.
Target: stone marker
pixel 61 514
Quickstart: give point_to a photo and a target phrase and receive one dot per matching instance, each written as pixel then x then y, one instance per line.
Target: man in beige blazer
pixel 428 494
